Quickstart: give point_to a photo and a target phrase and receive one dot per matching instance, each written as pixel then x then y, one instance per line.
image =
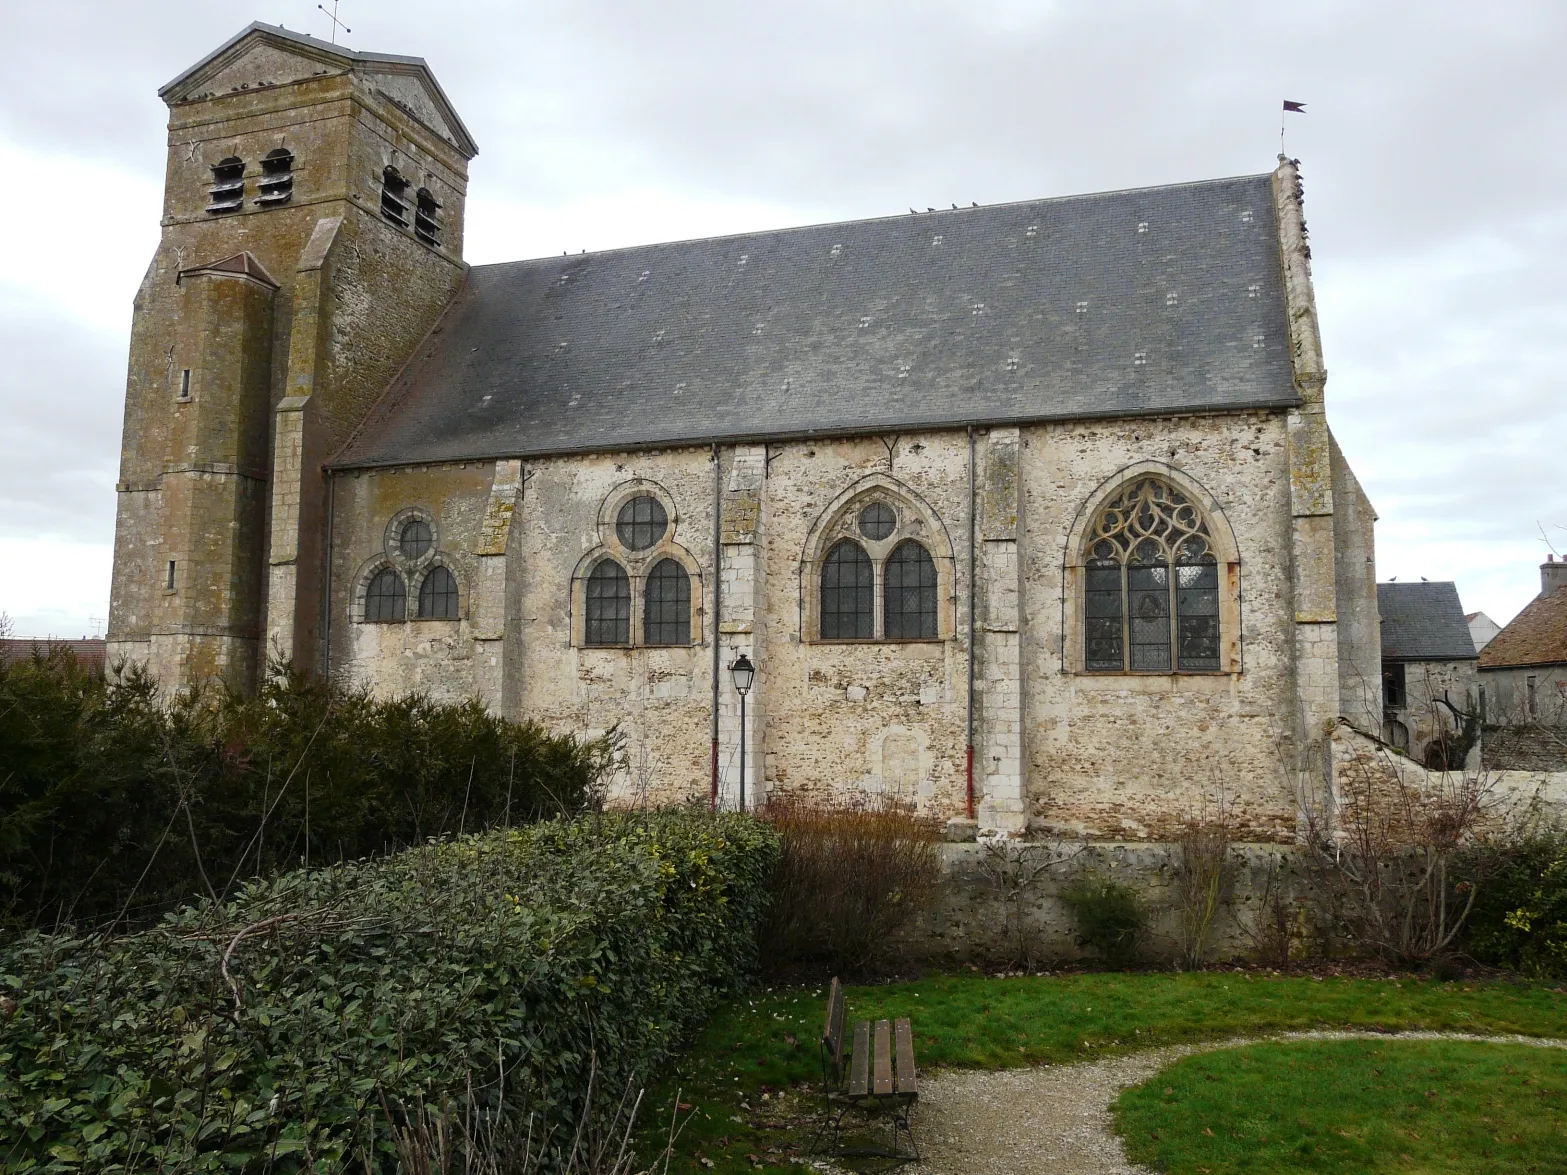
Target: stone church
pixel 1029 511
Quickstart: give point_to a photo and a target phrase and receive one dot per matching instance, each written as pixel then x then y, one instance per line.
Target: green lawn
pixel 1353 1107
pixel 765 1044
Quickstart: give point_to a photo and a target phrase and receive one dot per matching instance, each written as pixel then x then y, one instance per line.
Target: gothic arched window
pixel 909 602
pixel 848 608
pixel 438 595
pixel 386 599
pixel 608 615
pixel 1151 587
pixel 666 616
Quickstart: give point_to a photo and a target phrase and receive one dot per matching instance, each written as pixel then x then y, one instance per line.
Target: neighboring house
pixel 1523 670
pixel 1428 669
pixel 1481 629
pixel 89 650
pixel 980 492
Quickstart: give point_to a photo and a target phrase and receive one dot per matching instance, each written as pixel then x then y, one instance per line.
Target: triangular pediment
pixel 268 55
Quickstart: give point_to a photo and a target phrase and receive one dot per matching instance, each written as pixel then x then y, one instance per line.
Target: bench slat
pixel 832 1031
pixel 904 1035
pixel 883 1080
pixel 859 1067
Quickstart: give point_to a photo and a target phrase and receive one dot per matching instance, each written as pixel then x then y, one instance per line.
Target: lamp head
pixel 743 672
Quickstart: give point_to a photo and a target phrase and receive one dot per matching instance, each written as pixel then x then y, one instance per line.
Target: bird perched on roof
pixel 954 208
pixel 973 203
pixel 930 210
pixel 912 212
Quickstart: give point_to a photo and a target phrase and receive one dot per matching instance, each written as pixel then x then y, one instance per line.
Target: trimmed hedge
pixel 501 964
pixel 118 802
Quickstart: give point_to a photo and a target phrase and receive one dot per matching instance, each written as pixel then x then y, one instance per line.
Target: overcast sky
pixel 1432 153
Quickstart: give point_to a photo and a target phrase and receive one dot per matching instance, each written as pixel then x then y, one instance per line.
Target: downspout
pixel 718 467
pixel 326 620
pixel 972 596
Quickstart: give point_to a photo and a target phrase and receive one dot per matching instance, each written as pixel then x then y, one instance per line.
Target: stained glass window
pixel 848 600
pixel 386 598
pixel 438 596
pixel 667 606
pixel 909 600
pixel 608 619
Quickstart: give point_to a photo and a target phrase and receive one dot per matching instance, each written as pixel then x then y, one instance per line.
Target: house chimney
pixel 1553 575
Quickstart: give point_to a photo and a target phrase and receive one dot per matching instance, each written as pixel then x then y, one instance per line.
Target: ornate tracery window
pixel 1151 587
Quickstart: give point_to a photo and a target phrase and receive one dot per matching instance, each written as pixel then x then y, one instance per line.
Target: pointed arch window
pixel 848 593
pixel 667 605
pixel 608 614
pixel 909 601
pixel 1151 586
pixel 438 595
pixel 386 599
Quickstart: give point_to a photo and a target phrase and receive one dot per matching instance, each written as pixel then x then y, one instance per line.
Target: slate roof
pixel 244 264
pixel 1536 636
pixel 1142 302
pixel 1423 622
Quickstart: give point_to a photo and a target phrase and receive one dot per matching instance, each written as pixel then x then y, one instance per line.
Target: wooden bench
pixel 880 1076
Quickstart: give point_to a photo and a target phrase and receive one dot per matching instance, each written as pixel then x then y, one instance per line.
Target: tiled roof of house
pixel 1154 301
pixel 1536 636
pixel 1423 622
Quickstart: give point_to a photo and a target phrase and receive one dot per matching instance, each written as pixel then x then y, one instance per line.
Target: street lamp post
pixel 743 673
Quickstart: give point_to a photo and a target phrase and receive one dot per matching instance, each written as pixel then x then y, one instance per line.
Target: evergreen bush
pixel 117 803
pixel 1111 917
pixel 1519 919
pixel 278 1031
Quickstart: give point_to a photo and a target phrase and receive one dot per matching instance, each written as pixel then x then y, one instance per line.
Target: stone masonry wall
pixel 1105 756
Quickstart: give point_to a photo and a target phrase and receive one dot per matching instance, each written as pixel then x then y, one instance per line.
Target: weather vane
pixel 336 24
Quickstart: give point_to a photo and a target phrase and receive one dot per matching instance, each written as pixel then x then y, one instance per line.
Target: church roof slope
pixel 1128 303
pixel 1423 622
pixel 1536 636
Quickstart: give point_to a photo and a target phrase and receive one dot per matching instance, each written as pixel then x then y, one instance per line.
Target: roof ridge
pixel 896 217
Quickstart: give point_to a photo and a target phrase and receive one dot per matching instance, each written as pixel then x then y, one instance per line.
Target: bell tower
pixel 312 234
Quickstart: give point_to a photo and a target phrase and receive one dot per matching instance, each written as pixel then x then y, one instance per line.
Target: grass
pixel 1352 1107
pixel 765 1044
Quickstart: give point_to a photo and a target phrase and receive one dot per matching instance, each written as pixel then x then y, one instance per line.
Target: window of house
pixel 641 522
pixel 909 593
pixel 394 196
pixel 415 539
pixel 1151 585
pixel 1394 694
pixel 227 193
pixel 277 178
pixel 667 605
pixel 426 227
pixel 386 599
pixel 438 595
pixel 848 601
pixel 608 614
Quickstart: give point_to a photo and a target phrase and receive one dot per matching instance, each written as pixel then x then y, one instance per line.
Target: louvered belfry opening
pixel 227 193
pixel 394 196
pixel 426 225
pixel 277 178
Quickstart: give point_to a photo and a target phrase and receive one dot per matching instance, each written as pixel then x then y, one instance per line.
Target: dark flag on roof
pixel 1294 107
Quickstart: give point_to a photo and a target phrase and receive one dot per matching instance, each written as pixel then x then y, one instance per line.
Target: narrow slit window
pixel 438 595
pixel 185 384
pixel 426 225
pixel 169 582
pixel 277 178
pixel 394 197
pixel 608 615
pixel 667 611
pixel 227 193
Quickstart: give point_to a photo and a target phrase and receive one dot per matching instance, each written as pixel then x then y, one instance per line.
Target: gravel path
pixel 1055 1119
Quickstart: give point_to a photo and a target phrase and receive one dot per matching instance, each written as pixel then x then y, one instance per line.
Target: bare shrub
pixel 1204 872
pixel 1393 851
pixel 848 880
pixel 1016 870
pixel 1276 926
